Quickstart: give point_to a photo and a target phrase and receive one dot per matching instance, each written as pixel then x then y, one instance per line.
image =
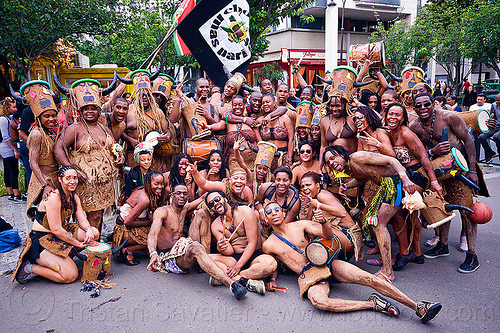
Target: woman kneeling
pixel 54 234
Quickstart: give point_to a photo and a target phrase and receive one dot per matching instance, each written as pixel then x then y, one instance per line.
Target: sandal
pixel 389 278
pixel 373 251
pixel 380 304
pixel 125 257
pixel 378 262
pixel 427 310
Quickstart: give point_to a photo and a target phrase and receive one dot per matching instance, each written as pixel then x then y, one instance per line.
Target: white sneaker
pixel 432 242
pixel 214 282
pixel 463 244
pixel 257 286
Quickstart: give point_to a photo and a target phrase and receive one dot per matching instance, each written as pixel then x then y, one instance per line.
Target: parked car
pixel 491 87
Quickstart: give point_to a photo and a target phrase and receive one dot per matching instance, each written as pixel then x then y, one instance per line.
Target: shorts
pixel 237 256
pixel 399 191
pixel 171 266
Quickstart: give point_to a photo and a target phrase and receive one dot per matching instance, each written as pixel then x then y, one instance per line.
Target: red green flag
pixel 179 15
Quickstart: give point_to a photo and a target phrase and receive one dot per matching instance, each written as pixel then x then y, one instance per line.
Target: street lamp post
pixel 342 35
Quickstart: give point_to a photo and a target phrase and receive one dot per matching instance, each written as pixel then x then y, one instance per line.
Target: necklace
pixel 284 206
pixel 231 228
pixel 178 217
pixel 431 133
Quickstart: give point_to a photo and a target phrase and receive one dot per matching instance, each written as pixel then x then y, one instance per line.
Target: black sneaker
pixel 238 290
pixel 418 259
pixel 489 157
pixel 11 197
pixel 471 264
pixel 440 250
pixel 402 260
pixel 20 198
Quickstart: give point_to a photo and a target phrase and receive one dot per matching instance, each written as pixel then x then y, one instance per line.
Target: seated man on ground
pixel 238 243
pixel 288 243
pixel 171 251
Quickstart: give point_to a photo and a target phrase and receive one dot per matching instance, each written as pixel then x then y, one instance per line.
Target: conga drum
pixel 322 251
pixel 164 150
pixel 98 264
pixel 359 52
pixel 450 165
pixel 199 150
pixel 193 119
pixel 476 120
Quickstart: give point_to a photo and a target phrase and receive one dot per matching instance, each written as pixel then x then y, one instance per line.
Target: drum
pixel 163 150
pixel 476 120
pixel 199 150
pixel 435 213
pixel 322 251
pixel 193 119
pixel 450 165
pixel 359 52
pixel 304 111
pixel 98 264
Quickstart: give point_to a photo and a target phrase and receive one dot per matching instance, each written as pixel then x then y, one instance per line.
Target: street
pixel 145 301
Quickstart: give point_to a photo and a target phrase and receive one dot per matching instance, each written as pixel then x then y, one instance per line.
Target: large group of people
pixel 242 185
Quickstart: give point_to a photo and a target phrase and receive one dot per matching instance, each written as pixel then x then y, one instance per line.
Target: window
pixel 318 24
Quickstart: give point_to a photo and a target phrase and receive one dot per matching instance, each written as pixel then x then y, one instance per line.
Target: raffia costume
pixel 39 97
pixel 96 162
pixel 137 234
pixel 37 241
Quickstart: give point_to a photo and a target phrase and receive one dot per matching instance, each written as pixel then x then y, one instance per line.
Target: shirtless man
pixel 288 243
pixel 143 116
pixel 204 108
pixel 239 243
pixel 266 87
pixel 87 146
pixel 177 253
pixel 429 128
pixel 385 171
pixel 116 120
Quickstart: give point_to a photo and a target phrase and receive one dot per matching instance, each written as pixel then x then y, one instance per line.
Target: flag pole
pixel 153 55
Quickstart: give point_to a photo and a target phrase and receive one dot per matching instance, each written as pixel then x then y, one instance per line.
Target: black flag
pixel 217 34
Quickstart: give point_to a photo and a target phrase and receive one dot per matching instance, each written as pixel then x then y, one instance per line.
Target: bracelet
pixel 88 229
pixel 378 144
pixel 434 182
pixel 322 223
pixel 430 153
pixel 472 172
pixel 178 99
pixel 44 186
pixel 152 253
pixel 244 119
pixel 319 205
pixel 261 210
pixel 272 279
pixel 344 186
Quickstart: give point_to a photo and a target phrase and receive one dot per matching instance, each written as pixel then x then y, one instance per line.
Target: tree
pixel 480 33
pixel 265 13
pixel 399 50
pixel 29 28
pixel 271 71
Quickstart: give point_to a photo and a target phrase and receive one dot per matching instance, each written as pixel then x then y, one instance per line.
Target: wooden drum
pixel 450 165
pixel 98 264
pixel 322 251
pixel 199 150
pixel 476 120
pixel 374 51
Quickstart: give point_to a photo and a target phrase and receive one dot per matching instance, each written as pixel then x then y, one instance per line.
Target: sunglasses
pixel 421 105
pixel 305 151
pixel 212 202
pixel 179 193
pixel 359 117
pixel 276 209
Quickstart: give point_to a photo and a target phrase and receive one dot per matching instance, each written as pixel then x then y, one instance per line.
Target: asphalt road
pixel 143 301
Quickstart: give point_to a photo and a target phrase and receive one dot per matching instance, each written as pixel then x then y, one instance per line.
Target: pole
pixel 342 35
pixel 153 55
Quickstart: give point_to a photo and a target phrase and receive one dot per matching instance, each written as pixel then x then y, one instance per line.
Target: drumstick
pixel 282 288
pixel 235 230
pixel 184 79
pixel 298 64
pixel 272 118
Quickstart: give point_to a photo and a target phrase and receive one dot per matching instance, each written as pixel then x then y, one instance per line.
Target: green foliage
pixel 480 32
pixel 399 50
pixel 28 27
pixel 265 13
pixel 271 71
pixel 20 178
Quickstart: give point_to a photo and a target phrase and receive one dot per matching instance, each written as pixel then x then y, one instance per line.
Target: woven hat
pixel 39 97
pixel 163 85
pixel 319 114
pixel 305 111
pixel 238 79
pixel 265 155
pixel 410 76
pixel 343 79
